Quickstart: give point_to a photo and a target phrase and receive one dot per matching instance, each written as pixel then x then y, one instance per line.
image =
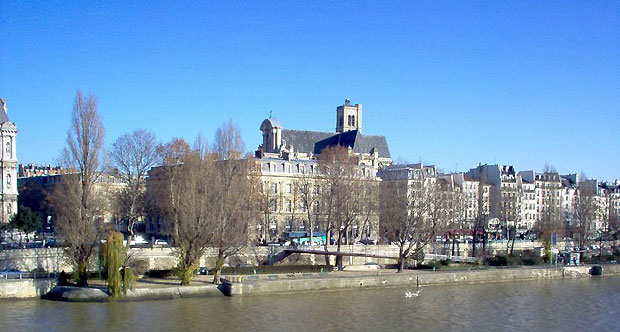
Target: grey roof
pixel 303 140
pixel 355 140
pixel 272 122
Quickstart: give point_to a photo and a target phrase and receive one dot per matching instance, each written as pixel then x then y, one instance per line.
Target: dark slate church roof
pixel 315 141
pixel 303 140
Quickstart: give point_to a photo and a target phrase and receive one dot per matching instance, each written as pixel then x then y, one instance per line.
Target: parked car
pixel 160 242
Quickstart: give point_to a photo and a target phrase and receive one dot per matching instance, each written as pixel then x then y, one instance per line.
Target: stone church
pixel 303 144
pixel 8 165
pixel 289 157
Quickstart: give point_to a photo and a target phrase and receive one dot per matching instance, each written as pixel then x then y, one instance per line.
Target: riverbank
pixel 412 278
pixel 162 289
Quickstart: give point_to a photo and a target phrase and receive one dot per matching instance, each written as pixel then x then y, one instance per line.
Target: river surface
pixel 584 304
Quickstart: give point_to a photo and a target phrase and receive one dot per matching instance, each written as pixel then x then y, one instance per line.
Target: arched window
pixel 8 180
pixel 9 151
pixel 9 209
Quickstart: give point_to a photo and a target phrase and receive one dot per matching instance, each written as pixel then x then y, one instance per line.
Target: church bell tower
pixel 348 117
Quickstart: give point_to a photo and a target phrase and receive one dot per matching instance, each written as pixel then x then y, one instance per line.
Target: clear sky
pixel 449 83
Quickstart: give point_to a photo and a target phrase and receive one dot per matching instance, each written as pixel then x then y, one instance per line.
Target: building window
pixel 287 188
pixel 274 205
pixel 8 181
pixel 274 188
pixel 9 151
pixel 9 209
pixel 289 206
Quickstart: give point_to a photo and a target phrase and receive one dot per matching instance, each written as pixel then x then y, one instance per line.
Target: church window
pixel 9 151
pixel 8 180
pixel 9 209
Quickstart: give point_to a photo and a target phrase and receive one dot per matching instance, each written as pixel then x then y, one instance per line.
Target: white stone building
pixel 8 165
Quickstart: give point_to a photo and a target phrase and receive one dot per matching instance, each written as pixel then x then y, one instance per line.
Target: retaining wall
pixel 301 284
pixel 25 288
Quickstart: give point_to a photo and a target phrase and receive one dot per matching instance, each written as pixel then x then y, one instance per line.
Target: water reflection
pixel 571 304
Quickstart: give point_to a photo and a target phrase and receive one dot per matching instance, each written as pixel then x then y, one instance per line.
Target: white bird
pixel 412 294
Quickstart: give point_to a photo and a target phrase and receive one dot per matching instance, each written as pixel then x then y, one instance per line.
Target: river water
pixel 584 304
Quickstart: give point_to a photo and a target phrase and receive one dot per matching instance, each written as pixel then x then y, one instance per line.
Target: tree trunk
pixel 401 259
pixel 453 244
pixel 327 240
pixel 338 256
pixel 217 271
pixel 473 243
pixel 82 272
pixel 512 246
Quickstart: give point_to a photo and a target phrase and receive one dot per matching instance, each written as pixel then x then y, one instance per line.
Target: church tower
pixel 8 165
pixel 349 117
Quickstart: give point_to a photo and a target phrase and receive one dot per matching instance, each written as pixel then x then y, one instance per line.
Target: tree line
pixel 211 196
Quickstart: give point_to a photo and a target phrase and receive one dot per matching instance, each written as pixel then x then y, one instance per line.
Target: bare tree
pixel 75 202
pixel 235 191
pixel 549 224
pixel 309 190
pixel 186 201
pixel 481 221
pixel 133 155
pixel 584 214
pixel 509 214
pixel 412 214
pixel 268 205
pixel 340 195
pixel 228 142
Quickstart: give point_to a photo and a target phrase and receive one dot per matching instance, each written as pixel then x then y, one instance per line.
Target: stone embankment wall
pixel 25 288
pixel 412 279
pixel 52 260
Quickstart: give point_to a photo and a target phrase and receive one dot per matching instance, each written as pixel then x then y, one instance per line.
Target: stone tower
pixel 272 135
pixel 8 165
pixel 348 117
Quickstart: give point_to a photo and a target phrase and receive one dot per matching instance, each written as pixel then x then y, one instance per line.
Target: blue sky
pixel 449 83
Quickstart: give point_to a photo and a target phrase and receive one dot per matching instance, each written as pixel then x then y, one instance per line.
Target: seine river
pixel 585 304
